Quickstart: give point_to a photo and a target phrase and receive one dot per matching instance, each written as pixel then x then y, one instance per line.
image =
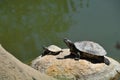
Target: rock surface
pixel 70 69
pixel 12 69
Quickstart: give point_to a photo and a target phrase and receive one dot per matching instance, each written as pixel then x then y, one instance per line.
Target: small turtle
pixel 87 50
pixel 52 49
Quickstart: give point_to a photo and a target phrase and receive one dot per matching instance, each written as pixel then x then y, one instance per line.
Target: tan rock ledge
pixel 13 69
pixel 70 69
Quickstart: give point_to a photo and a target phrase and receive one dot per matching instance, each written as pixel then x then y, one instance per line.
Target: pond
pixel 27 25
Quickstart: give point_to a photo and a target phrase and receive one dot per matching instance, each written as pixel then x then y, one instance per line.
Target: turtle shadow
pixel 72 56
pixel 94 61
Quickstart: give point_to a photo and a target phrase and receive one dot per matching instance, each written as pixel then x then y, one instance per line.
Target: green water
pixel 26 25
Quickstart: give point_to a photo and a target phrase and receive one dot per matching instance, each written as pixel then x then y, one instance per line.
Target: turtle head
pixel 44 48
pixel 71 46
pixel 69 43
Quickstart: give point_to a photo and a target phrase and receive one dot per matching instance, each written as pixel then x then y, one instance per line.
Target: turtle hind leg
pixel 106 61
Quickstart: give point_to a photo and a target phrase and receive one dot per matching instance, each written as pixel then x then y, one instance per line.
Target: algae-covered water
pixel 27 25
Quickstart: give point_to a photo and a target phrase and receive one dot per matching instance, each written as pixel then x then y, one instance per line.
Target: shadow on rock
pixel 72 56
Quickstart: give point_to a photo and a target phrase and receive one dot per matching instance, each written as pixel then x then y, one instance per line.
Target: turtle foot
pixel 106 61
pixel 76 58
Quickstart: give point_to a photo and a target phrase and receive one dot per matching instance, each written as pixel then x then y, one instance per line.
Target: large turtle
pixel 87 50
pixel 52 49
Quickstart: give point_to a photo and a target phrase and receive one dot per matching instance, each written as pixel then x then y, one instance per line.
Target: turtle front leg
pixel 77 57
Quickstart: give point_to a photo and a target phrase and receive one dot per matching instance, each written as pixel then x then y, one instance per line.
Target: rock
pixel 12 69
pixel 70 69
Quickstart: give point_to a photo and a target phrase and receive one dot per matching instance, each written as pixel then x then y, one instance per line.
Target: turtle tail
pixel 106 61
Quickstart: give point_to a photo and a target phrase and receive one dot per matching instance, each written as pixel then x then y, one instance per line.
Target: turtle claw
pixel 76 58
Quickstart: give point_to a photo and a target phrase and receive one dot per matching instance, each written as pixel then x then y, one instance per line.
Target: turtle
pixel 87 50
pixel 51 50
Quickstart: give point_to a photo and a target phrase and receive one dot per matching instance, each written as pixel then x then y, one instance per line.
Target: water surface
pixel 27 25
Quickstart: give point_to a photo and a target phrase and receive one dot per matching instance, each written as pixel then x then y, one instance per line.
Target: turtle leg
pixel 106 61
pixel 77 57
pixel 46 52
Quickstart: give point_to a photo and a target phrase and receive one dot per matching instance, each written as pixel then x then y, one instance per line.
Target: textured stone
pixel 60 67
pixel 13 69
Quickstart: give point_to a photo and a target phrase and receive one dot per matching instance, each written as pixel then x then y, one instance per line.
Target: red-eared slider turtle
pixel 87 50
pixel 51 50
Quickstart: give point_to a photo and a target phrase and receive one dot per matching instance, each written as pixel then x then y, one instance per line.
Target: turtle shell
pixel 90 47
pixel 54 48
